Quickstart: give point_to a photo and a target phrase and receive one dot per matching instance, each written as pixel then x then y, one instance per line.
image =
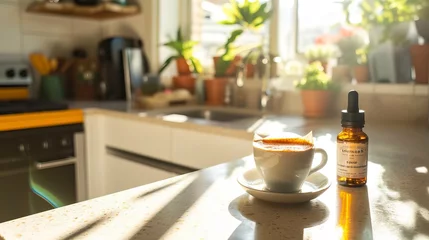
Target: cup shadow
pixel 265 220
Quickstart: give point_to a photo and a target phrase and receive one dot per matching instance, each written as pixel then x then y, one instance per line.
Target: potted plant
pixel 361 70
pixel 317 91
pixel 321 53
pixel 388 23
pixel 248 16
pixel 348 40
pixel 215 87
pixel 185 61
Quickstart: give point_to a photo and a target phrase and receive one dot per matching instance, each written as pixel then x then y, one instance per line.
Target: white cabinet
pixel 147 139
pixel 202 150
pixel 121 174
pixel 109 173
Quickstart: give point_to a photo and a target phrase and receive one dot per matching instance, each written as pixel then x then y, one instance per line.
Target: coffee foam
pixel 283 142
pixel 283 145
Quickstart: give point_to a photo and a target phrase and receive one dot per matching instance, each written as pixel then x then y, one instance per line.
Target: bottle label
pixel 352 159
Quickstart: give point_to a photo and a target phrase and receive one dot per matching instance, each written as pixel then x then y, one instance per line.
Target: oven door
pixel 53 170
pixel 14 180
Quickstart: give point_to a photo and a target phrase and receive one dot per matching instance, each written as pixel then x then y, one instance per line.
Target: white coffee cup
pixel 285 163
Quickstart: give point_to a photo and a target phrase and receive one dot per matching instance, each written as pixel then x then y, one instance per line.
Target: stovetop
pixel 28 106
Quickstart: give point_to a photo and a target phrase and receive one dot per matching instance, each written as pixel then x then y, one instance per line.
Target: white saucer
pixel 314 186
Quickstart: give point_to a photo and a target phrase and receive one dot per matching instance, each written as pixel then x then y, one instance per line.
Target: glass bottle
pixel 352 145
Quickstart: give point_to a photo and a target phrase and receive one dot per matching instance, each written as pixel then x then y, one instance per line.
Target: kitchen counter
pixel 209 204
pixel 242 129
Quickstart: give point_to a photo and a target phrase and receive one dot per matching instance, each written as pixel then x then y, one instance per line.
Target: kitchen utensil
pixel 40 63
pixel 53 63
pixel 67 64
pixel 253 183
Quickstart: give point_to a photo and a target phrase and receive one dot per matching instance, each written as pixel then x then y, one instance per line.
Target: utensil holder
pixel 52 87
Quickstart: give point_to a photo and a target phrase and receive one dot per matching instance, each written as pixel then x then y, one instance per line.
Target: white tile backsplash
pixel 49 25
pixel 23 33
pixel 50 45
pixel 10 40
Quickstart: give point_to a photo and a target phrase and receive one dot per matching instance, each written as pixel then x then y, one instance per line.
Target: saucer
pixel 314 186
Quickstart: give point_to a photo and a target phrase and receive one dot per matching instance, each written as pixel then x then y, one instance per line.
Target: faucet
pixel 265 77
pixel 235 90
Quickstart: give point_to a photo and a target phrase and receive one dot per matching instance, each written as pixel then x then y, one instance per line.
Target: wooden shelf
pixel 100 12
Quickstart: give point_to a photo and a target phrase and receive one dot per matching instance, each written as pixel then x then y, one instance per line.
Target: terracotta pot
pixel 361 73
pixel 215 91
pixel 232 69
pixel 184 82
pixel 250 70
pixel 182 67
pixel 316 103
pixel 420 59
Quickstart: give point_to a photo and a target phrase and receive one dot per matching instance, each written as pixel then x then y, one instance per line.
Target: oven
pixel 41 169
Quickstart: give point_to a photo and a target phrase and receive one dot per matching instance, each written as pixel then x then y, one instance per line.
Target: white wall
pixel 23 33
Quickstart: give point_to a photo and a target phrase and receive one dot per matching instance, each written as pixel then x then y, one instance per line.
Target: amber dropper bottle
pixel 352 145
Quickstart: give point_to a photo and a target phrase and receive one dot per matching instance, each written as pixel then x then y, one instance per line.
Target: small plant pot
pixel 182 67
pixel 250 70
pixel 215 91
pixel 316 103
pixel 420 59
pixel 232 68
pixel 184 82
pixel 361 73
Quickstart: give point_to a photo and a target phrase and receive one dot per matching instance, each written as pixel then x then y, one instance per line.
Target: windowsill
pixel 367 88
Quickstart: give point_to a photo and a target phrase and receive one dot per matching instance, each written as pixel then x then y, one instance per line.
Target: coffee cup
pixel 285 161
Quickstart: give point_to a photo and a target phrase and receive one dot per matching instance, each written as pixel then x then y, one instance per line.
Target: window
pixel 212 35
pixel 302 23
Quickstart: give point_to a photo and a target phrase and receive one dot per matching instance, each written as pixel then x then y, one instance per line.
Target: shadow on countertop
pixel 264 220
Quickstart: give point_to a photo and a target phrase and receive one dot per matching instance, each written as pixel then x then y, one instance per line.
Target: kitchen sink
pixel 215 115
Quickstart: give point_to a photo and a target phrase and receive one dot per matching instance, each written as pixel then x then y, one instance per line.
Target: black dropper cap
pixel 353 117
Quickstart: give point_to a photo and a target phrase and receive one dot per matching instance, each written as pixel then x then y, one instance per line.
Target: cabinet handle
pixel 53 164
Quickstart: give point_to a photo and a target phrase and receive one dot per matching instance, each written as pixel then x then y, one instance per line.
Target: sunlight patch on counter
pixel 422 169
pixel 137 214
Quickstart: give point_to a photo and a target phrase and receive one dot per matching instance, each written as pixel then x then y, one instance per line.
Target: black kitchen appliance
pixel 113 83
pixel 87 2
pixel 40 167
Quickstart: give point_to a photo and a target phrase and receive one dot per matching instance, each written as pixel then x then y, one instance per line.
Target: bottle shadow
pixel 264 220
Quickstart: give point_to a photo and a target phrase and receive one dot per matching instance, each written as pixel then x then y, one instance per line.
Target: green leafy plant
pixel 386 13
pixel 227 57
pixel 321 52
pixel 248 15
pixel 362 55
pixel 315 79
pixel 183 49
pixel 422 8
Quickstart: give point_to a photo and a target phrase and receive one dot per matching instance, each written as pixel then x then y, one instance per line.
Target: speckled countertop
pixel 209 204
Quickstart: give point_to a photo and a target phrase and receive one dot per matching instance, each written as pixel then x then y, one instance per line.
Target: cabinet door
pixel 202 150
pixel 122 174
pixel 152 140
